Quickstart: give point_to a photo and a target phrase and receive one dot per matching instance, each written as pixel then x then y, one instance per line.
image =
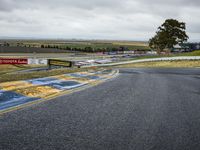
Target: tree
pixel 169 34
pixel 88 49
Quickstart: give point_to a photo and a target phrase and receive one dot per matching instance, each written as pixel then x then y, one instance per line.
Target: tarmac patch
pixel 65 85
pixel 93 77
pixel 10 99
pixel 42 81
pixel 79 75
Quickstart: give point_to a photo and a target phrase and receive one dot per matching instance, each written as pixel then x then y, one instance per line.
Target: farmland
pixel 78 44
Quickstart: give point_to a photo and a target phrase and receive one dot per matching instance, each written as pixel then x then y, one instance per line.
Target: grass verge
pixel 194 53
pixel 39 74
pixel 165 64
pixel 4 69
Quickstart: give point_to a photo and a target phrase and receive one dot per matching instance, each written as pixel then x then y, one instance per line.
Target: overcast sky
pixel 95 19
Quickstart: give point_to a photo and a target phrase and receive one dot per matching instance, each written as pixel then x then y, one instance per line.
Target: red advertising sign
pixel 13 61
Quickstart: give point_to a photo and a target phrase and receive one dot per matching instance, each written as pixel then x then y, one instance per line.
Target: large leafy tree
pixel 169 34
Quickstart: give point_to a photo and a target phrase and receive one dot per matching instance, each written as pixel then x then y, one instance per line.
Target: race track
pixel 141 109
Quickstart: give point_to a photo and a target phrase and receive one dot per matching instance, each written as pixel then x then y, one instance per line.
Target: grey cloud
pixel 176 3
pixel 128 19
pixel 6 5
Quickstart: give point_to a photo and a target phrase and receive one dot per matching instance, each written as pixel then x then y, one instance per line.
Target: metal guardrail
pixel 149 60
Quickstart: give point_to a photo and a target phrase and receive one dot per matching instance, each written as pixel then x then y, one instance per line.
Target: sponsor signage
pixel 62 63
pixel 37 61
pixel 13 61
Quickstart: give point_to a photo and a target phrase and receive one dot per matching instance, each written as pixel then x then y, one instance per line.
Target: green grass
pixel 39 74
pixel 163 64
pixel 4 69
pixel 194 53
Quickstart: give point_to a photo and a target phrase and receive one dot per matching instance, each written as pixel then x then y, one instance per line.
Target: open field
pixel 95 44
pixel 133 43
pixel 163 64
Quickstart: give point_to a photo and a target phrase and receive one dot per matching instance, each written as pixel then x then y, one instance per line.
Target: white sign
pixel 32 61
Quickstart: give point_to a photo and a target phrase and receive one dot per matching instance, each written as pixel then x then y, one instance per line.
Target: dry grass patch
pixel 37 91
pixel 40 74
pixel 8 86
pixel 160 64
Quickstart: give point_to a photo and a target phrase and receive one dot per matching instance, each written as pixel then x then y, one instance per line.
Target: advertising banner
pixel 62 63
pixel 13 61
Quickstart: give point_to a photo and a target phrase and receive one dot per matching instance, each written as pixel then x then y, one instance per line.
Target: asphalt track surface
pixel 141 109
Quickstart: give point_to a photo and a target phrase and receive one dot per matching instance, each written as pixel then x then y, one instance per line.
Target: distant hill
pixel 29 50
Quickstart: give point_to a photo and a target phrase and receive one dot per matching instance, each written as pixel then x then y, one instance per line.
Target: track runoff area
pixel 18 94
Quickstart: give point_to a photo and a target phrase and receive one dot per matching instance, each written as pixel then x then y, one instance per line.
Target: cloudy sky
pixel 95 19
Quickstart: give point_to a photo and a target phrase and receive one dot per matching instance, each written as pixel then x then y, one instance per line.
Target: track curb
pixel 112 75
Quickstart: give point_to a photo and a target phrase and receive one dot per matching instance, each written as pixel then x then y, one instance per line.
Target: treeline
pixel 74 48
pixel 5 44
pixel 87 49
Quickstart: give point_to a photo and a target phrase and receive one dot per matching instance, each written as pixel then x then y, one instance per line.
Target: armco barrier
pixel 149 60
